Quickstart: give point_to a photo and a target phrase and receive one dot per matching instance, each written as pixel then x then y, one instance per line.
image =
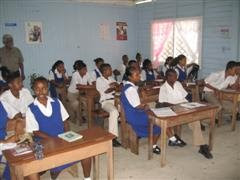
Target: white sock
pixel 87 178
pixel 173 138
pixel 154 146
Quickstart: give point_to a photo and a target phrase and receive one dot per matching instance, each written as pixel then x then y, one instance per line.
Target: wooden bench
pixel 128 136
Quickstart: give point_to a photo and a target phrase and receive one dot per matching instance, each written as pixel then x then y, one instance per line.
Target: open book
pixel 163 112
pixel 20 149
pixel 192 105
pixel 70 136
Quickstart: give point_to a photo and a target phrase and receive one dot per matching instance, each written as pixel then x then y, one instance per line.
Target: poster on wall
pixel 104 31
pixel 121 31
pixel 33 32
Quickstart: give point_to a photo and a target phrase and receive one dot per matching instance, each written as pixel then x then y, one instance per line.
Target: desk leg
pixel 163 142
pixel 110 161
pixel 234 113
pixel 16 173
pixel 150 140
pixel 211 129
pixel 89 111
pixel 96 167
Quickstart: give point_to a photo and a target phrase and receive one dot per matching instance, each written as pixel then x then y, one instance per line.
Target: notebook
pixel 192 105
pixel 70 136
pixel 163 112
pixel 21 149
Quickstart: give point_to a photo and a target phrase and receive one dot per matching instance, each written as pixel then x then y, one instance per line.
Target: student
pixel 123 66
pixel 148 73
pixel 217 81
pixel 8 142
pixel 96 72
pixel 135 112
pixel 181 68
pixel 172 92
pixel 58 78
pixel 106 87
pixel 17 97
pixel 4 72
pixel 167 64
pixel 139 59
pixel 80 79
pixel 46 117
pixel 131 63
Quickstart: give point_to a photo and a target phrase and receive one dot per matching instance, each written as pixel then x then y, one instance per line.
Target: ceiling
pixel 115 2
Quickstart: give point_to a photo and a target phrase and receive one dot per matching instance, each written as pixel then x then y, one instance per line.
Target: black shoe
pixel 179 139
pixel 156 150
pixel 175 143
pixel 204 150
pixel 202 127
pixel 54 175
pixel 116 143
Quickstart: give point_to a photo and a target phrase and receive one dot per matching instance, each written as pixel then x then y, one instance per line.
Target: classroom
pixel 120 89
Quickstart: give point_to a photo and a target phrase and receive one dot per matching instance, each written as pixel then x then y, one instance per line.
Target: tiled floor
pixel 182 163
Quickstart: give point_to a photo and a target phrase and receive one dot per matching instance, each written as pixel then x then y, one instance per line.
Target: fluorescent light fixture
pixel 143 1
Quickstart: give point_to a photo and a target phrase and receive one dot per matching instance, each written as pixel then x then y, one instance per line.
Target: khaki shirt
pixel 11 58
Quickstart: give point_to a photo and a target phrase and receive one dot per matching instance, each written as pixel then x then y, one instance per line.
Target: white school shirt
pixel 31 122
pixel 219 81
pixel 77 79
pixel 94 76
pixel 132 95
pixel 173 95
pixel 11 112
pixel 19 104
pixel 102 84
pixel 59 75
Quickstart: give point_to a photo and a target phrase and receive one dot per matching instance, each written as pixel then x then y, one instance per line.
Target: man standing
pixel 11 56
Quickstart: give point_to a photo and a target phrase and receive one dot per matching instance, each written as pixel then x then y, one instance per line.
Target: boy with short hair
pixel 172 92
pixel 106 87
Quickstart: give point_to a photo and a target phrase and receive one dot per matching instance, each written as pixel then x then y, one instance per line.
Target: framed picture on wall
pixel 33 31
pixel 121 30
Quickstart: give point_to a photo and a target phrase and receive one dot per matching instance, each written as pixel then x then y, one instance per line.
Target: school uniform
pixel 107 102
pixel 147 75
pixel 218 81
pixel 176 95
pixel 47 119
pixel 3 83
pixel 181 73
pixel 121 69
pixel 73 93
pixel 57 92
pixel 96 74
pixel 19 104
pixel 137 118
pixel 3 125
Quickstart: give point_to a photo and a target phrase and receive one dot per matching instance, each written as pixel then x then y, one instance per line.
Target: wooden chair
pixel 128 136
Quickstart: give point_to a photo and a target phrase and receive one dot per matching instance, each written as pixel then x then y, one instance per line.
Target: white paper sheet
pixel 163 112
pixel 192 105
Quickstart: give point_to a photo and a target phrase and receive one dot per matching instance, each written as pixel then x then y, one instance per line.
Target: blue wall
pixel 216 51
pixel 70 31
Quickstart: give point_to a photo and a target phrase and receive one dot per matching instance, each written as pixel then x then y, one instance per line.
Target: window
pixel 176 36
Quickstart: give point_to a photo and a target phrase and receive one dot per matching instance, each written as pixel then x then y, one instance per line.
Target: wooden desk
pixel 91 95
pixel 184 116
pixel 58 152
pixel 230 95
